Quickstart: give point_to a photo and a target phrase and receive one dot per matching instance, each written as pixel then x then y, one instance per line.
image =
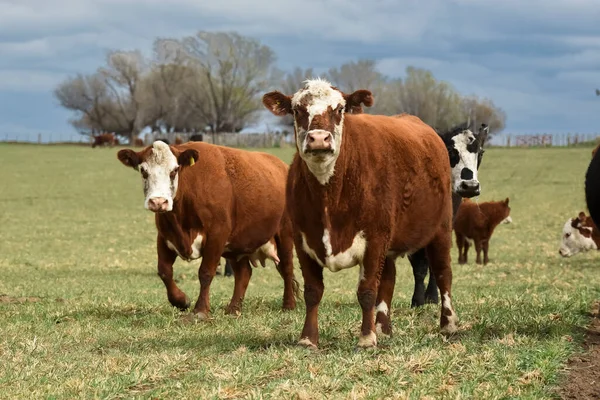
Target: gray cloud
pixel 538 59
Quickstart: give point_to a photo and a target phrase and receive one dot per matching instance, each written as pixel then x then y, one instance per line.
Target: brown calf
pixel 105 139
pixel 212 201
pixel 363 189
pixel 477 222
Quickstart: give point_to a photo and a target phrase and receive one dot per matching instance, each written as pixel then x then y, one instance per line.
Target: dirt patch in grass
pixel 11 300
pixel 583 370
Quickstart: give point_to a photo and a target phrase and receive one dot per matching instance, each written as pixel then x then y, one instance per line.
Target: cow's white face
pixel 318 109
pixel 465 153
pixel 159 166
pixel 160 172
pixel 576 238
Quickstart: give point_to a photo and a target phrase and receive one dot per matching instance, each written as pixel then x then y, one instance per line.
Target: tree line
pixel 214 81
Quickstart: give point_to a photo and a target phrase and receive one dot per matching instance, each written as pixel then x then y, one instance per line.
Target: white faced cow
pixel 465 152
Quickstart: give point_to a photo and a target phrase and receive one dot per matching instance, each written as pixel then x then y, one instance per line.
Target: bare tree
pixel 362 74
pixel 122 74
pixel 233 71
pixel 484 111
pixel 87 95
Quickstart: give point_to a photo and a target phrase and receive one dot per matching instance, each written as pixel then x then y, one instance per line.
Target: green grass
pixel 75 237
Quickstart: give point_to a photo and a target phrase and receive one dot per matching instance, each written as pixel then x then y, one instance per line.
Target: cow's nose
pixel 469 188
pixel 319 140
pixel 157 204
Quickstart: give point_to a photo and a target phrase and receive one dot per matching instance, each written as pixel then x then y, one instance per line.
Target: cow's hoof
pixel 367 341
pixel 288 306
pixel 191 318
pixel 382 328
pixel 234 311
pixel 180 302
pixel 431 300
pixel 450 329
pixel 306 343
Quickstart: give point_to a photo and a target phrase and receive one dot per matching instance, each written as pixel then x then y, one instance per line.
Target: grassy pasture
pixel 84 315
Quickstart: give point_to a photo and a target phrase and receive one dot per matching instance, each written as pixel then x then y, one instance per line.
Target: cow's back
pixel 408 156
pixel 248 186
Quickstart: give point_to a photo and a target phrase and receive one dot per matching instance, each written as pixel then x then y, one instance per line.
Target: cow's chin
pixel 319 152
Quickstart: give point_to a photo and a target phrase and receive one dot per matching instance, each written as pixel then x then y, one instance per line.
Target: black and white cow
pixel 465 150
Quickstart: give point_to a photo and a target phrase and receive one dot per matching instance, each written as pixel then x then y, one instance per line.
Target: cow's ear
pixel 278 103
pixel 355 100
pixel 506 201
pixel 188 157
pixel 581 216
pixel 129 158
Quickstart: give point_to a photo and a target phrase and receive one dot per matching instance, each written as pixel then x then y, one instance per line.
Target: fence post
pixel 39 138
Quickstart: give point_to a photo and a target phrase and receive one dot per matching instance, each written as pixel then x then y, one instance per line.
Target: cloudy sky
pixel 538 60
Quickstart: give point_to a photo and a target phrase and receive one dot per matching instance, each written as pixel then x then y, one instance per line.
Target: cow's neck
pixel 173 220
pixel 329 195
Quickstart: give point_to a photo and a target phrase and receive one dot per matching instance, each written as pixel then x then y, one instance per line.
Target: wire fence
pixel 279 139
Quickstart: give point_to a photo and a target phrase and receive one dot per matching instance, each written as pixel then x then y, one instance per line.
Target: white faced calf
pixel 579 234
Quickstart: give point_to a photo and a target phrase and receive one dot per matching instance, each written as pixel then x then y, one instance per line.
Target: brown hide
pixel 235 199
pixel 392 181
pixel 389 175
pixel 105 138
pixel 477 222
pixel 585 221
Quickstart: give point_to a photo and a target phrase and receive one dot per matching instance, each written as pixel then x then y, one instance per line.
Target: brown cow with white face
pixel 212 201
pixel 363 189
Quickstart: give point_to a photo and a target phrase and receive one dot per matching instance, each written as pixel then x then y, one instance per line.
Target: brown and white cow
pixel 476 222
pixel 212 201
pixel 363 189
pixel 579 234
pixel 105 139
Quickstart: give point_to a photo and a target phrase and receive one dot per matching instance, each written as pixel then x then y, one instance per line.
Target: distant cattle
pixel 477 222
pixel 137 142
pixel 105 139
pixel 579 234
pixel 212 201
pixel 196 138
pixel 465 152
pixel 362 190
pixel 178 140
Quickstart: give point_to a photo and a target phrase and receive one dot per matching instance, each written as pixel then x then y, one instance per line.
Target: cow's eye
pixel 340 109
pixel 173 173
pixel 144 173
pixel 567 234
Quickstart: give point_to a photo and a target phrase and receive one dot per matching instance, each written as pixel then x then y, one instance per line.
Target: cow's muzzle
pixel 469 188
pixel 158 204
pixel 319 141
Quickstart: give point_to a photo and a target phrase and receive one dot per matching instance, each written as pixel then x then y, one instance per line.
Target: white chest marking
pixel 196 248
pixel 348 258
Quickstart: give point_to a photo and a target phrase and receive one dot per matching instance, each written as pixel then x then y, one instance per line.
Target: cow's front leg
pixel 166 259
pixel 312 273
pixel 211 255
pixel 368 286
